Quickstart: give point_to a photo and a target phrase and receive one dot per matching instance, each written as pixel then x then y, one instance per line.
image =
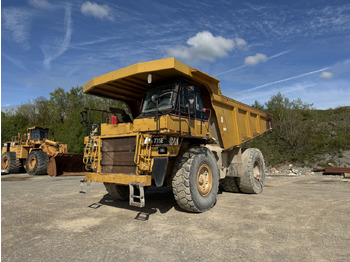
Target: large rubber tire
pixel 9 162
pixel 253 177
pixel 230 184
pixel 37 163
pixel 117 192
pixel 196 180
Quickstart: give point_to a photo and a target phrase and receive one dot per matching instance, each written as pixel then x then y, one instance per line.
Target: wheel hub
pixel 204 179
pixel 32 163
pixel 5 163
pixel 257 171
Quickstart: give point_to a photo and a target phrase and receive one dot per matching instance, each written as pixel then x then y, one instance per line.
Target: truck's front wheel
pixel 196 180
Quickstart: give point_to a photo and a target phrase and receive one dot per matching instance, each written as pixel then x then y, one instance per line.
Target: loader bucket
pixel 66 164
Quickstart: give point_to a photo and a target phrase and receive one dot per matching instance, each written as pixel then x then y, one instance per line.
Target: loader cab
pixel 174 98
pixel 38 134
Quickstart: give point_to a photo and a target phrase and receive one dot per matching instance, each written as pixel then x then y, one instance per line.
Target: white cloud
pixel 55 47
pixel 18 22
pixel 43 4
pixel 99 11
pixel 205 46
pixel 326 75
pixel 254 60
pixel 240 42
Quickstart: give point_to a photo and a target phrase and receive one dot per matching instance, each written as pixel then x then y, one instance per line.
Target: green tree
pixel 12 123
pixel 289 140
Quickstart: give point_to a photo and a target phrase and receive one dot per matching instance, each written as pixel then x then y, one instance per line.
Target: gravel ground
pixel 296 218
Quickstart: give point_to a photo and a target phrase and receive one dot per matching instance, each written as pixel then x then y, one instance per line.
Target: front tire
pixel 37 163
pixel 196 180
pixel 9 162
pixel 253 177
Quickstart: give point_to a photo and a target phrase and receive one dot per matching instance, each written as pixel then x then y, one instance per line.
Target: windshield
pixel 165 94
pixel 38 134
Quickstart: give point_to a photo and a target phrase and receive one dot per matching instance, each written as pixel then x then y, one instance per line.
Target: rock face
pixel 339 159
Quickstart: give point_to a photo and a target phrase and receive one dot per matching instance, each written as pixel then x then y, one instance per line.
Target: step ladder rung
pixel 140 197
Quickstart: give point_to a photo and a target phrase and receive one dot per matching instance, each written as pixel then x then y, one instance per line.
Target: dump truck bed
pixel 233 123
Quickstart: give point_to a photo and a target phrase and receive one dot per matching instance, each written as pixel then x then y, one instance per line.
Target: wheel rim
pixel 204 179
pixel 257 171
pixel 32 163
pixel 5 163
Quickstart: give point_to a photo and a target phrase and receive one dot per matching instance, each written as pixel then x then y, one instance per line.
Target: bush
pixel 301 132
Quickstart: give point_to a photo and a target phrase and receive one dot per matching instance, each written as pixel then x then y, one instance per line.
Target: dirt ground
pixel 300 218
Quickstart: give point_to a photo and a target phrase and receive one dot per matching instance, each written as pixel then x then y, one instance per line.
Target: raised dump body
pixel 180 131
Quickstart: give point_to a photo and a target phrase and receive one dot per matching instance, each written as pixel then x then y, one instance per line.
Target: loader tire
pixel 117 192
pixel 230 184
pixel 9 162
pixel 196 180
pixel 37 163
pixel 252 179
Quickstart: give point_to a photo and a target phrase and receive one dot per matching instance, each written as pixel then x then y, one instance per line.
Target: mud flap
pixel 159 170
pixel 65 163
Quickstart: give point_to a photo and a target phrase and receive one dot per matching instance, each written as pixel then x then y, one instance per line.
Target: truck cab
pixel 178 98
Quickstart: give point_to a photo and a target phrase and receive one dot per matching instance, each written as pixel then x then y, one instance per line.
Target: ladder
pixel 143 154
pixel 91 152
pixel 134 199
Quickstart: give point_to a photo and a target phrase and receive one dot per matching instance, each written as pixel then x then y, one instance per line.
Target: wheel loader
pixel 180 132
pixel 39 155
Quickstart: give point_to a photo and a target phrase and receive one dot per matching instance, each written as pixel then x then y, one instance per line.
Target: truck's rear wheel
pixel 196 180
pixel 9 162
pixel 252 179
pixel 230 184
pixel 117 192
pixel 37 163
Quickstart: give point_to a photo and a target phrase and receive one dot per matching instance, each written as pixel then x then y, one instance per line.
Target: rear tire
pixel 230 184
pixel 252 179
pixel 196 180
pixel 37 163
pixel 10 163
pixel 117 192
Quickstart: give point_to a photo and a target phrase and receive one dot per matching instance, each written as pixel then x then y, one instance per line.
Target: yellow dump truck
pixel 176 129
pixel 39 155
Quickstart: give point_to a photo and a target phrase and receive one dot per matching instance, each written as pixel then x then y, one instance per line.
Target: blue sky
pixel 256 48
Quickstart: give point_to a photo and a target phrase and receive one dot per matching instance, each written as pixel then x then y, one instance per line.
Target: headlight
pixel 148 140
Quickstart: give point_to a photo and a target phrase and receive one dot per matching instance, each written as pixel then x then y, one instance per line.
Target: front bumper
pixel 122 179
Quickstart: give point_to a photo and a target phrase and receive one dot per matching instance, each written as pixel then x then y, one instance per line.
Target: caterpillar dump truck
pixel 39 155
pixel 181 131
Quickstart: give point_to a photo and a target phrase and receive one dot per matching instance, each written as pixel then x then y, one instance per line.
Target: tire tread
pixel 181 179
pixel 14 163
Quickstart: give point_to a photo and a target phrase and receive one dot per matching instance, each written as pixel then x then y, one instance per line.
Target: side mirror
pixel 155 99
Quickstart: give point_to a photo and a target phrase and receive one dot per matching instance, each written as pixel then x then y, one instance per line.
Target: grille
pixel 118 155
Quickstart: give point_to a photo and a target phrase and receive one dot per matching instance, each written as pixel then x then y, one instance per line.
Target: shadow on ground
pixel 159 199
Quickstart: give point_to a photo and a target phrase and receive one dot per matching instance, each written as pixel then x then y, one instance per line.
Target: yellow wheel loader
pixel 39 155
pixel 180 131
